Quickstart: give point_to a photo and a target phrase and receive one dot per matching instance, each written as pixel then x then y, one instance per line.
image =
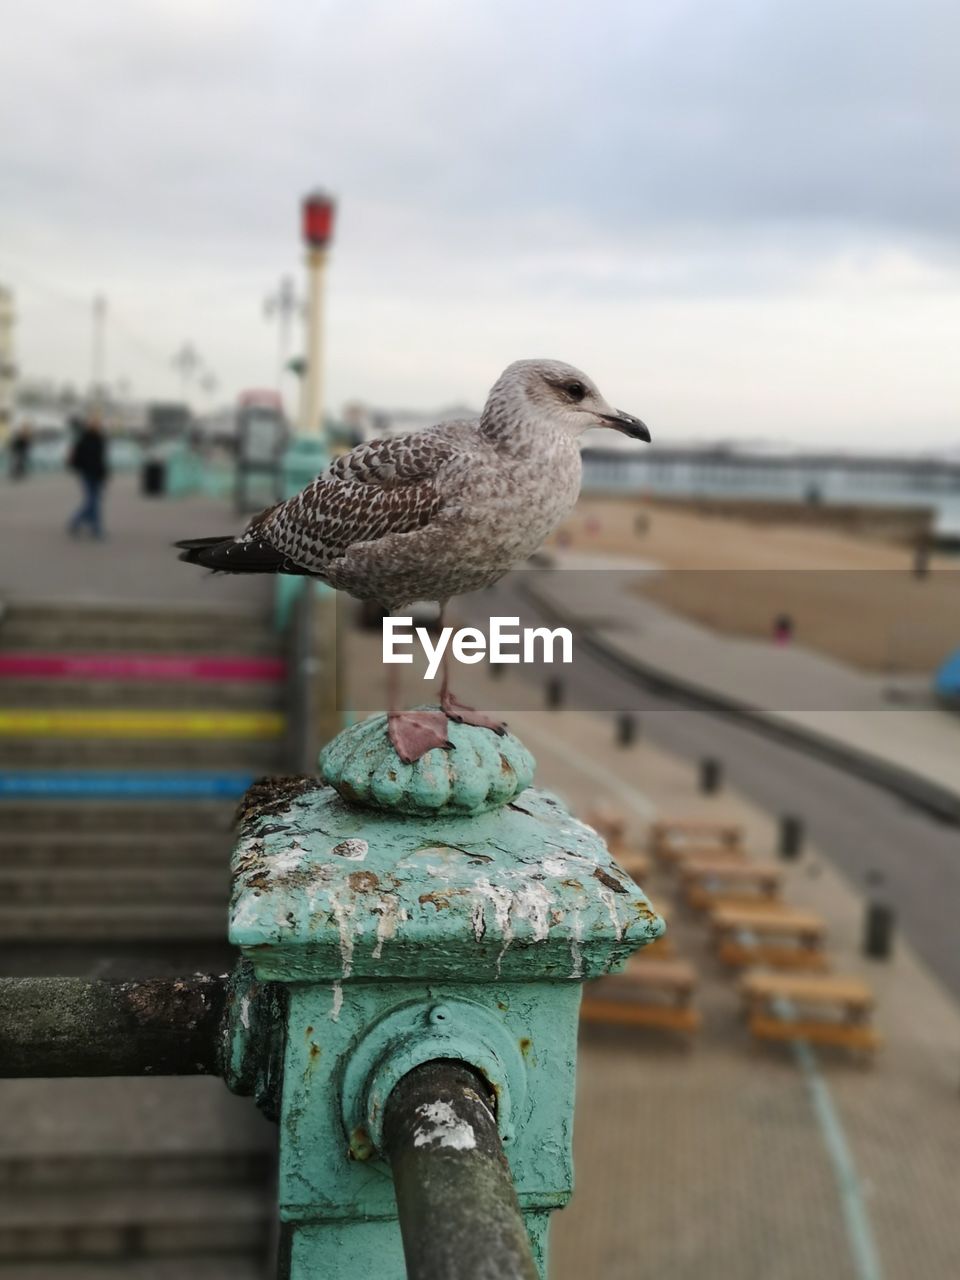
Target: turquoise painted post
pixel 396 914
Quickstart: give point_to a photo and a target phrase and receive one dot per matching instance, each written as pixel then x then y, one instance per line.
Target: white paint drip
pixel 479 924
pixel 609 898
pixel 501 900
pixel 532 902
pixel 390 914
pixel 245 1013
pixel 576 955
pixel 337 1003
pixel 342 914
pixel 443 1127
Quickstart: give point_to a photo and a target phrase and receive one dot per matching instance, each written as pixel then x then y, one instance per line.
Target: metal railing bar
pixel 73 1027
pixel 458 1209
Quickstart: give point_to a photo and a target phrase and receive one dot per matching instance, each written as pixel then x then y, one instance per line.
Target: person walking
pixel 20 452
pixel 88 458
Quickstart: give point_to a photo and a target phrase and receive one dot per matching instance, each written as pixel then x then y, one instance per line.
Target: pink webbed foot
pixel 463 714
pixel 414 733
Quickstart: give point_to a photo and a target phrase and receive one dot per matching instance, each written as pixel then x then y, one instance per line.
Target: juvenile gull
pixel 431 515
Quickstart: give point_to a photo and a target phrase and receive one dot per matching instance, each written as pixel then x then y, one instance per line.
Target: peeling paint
pixel 355 850
pixel 428 882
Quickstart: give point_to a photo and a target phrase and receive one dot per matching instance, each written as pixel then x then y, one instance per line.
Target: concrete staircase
pixel 170 1171
pixel 94 870
pixel 144 1179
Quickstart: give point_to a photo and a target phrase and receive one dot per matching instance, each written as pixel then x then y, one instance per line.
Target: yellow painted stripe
pixel 142 724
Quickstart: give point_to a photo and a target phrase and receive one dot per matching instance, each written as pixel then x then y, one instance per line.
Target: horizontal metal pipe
pixel 74 1027
pixel 456 1201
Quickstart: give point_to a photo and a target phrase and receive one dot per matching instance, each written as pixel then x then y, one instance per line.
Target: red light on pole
pixel 318 212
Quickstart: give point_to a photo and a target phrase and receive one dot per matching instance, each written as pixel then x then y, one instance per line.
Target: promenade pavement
pixel 714 1160
pixel 788 685
pixel 134 564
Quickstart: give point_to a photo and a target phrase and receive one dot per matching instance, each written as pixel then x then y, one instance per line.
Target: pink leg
pixel 413 733
pixel 458 710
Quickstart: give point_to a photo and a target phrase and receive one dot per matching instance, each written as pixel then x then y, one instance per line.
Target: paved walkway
pixel 710 1162
pixel 790 686
pixel 134 564
pixel 713 1161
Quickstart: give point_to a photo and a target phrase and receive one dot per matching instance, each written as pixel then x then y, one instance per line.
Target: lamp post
pixel 99 352
pixel 318 216
pixel 186 361
pixel 285 305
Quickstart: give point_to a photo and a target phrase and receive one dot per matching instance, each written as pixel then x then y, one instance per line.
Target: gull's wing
pixel 380 488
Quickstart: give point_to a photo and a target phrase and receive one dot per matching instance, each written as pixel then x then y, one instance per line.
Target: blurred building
pixel 367 422
pixel 8 369
pixel 756 473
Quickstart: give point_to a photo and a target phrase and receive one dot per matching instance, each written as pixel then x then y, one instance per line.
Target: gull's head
pixel 556 396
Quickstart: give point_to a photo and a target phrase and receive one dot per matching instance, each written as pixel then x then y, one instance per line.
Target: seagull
pixel 434 514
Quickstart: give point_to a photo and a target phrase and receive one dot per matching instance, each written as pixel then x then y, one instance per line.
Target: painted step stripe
pixel 141 724
pixel 124 786
pixel 133 666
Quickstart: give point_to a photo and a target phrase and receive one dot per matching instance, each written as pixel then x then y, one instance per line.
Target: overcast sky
pixel 740 218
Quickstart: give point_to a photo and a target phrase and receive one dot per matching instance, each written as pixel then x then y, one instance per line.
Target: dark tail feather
pixel 228 555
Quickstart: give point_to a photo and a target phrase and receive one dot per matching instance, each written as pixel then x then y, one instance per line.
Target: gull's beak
pixel 628 424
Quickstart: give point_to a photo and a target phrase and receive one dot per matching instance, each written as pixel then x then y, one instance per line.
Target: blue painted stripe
pixel 863 1247
pixel 96 784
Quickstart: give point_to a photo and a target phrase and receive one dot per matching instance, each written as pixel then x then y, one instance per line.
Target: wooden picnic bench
pixel 650 993
pixel 775 935
pixel 821 1008
pixel 612 826
pixel 636 865
pixel 708 881
pixel 672 839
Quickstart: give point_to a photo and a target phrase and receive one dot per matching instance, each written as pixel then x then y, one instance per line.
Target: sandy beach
pixel 853 598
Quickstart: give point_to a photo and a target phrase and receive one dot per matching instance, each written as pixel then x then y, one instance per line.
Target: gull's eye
pixel 576 391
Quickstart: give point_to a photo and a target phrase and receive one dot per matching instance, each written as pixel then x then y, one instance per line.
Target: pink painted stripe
pixel 132 666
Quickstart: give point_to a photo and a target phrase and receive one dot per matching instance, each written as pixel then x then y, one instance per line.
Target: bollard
pixel 627 728
pixel 878 931
pixel 921 559
pixel 399 916
pixel 711 776
pixel 879 920
pixel 791 836
pixel 554 691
